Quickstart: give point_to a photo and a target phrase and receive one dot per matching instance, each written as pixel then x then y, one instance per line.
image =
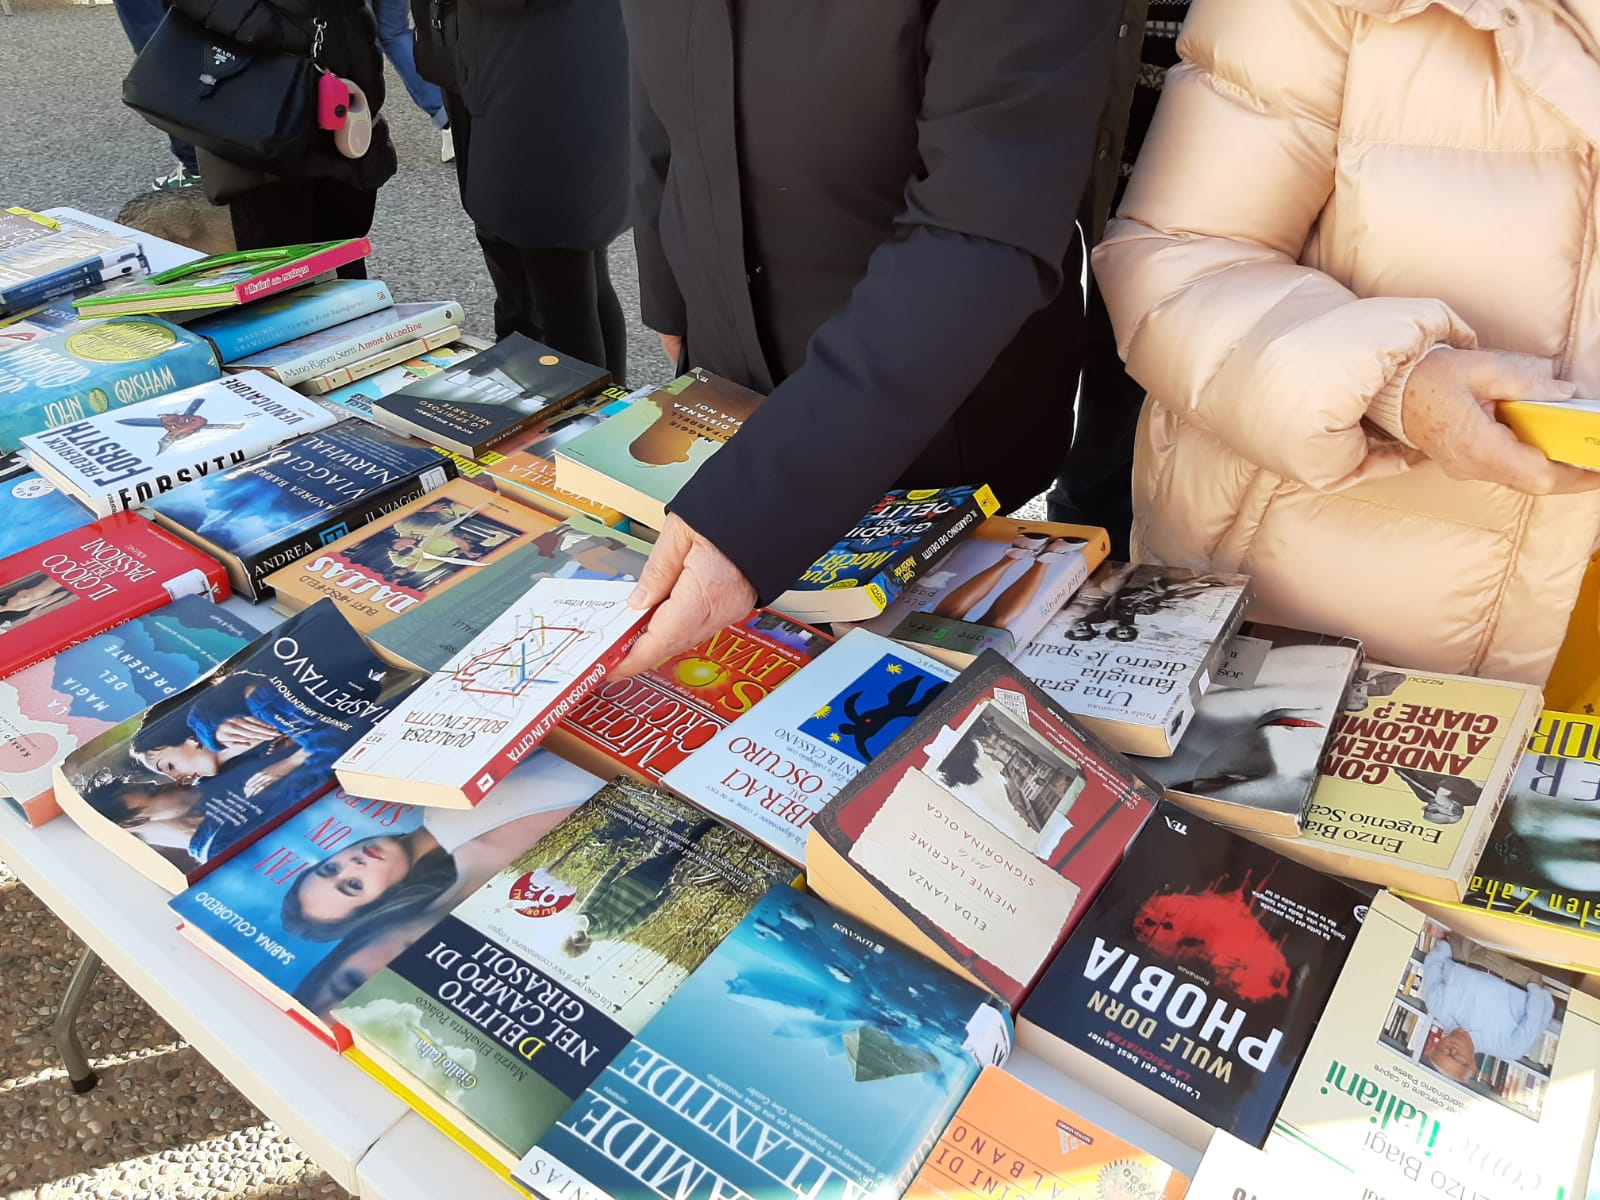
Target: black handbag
pixel 256 108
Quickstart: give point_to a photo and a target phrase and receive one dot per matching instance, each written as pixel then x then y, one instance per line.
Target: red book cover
pixel 79 584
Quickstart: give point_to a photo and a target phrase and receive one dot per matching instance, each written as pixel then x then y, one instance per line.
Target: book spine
pixel 309 315
pixel 356 348
pixel 303 271
pixel 391 354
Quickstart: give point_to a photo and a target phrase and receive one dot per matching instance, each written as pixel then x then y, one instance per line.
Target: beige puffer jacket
pixel 1331 188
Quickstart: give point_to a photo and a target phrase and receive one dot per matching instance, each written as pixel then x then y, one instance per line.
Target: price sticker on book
pixel 1236 1170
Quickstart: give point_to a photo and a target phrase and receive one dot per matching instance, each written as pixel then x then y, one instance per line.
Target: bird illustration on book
pixel 178 425
pixel 884 696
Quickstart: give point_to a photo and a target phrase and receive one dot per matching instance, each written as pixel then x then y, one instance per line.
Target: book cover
pixel 1007 1142
pixel 326 349
pixel 412 554
pixel 68 257
pixel 1189 990
pixel 120 459
pixel 55 706
pixel 994 590
pixel 591 931
pixel 67 377
pixel 886 551
pixel 77 584
pixel 224 280
pixel 197 778
pixel 1443 1068
pixel 279 507
pixel 647 725
pixel 983 832
pixel 356 398
pixel 391 355
pixel 428 636
pixel 637 460
pixel 773 769
pixel 804 1058
pixel 1567 432
pixel 1249 757
pixel 472 406
pixel 1132 654
pixel 527 471
pixel 237 332
pixel 159 253
pixel 32 509
pixel 1414 778
pixel 488 708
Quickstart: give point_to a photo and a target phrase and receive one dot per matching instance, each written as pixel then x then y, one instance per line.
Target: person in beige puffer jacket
pixel 1355 225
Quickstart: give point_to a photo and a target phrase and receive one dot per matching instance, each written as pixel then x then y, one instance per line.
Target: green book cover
pixel 225 280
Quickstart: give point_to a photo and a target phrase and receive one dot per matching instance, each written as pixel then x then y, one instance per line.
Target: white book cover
pixel 119 459
pixel 318 353
pixel 488 708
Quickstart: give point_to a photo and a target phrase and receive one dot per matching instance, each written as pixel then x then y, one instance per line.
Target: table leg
pixel 64 1029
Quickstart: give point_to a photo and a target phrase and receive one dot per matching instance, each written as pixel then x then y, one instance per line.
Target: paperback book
pixel 237 332
pixel 356 398
pixel 226 280
pixel 325 350
pixel 1133 653
pixel 158 253
pixel 68 257
pixel 773 769
pixel 549 432
pixel 121 459
pixel 528 473
pixel 32 509
pixel 379 360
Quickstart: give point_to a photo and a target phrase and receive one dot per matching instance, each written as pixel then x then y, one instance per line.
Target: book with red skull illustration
pixel 1189 992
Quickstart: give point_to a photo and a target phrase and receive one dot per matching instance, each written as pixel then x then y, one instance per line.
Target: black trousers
pixel 292 211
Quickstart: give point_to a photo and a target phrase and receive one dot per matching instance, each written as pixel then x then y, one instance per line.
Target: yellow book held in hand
pixel 1567 430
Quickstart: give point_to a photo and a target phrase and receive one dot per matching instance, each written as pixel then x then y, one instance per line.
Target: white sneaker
pixel 447 145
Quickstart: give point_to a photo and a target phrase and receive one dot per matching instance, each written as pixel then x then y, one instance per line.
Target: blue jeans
pixel 139 20
pixel 394 31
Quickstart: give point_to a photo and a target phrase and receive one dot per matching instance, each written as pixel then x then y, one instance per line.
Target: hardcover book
pixel 1188 992
pixel 488 708
pixel 1249 757
pixel 80 583
pixel 325 350
pixel 197 778
pixel 1132 654
pixel 983 833
pixel 773 769
pixel 276 509
pixel 70 256
pixel 225 280
pixel 638 460
pixel 32 509
pixel 67 377
pixel 356 398
pixel 380 360
pixel 118 460
pixel 428 636
pixel 886 552
pixel 55 706
pixel 1007 1141
pixel 593 929
pixel 237 332
pixel 1413 779
pixel 646 725
pixel 994 590
pixel 471 407
pixel 412 554
pixel 807 1058
pixel 1443 1068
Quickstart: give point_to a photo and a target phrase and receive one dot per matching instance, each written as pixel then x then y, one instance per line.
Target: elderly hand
pixel 1448 414
pixel 695 590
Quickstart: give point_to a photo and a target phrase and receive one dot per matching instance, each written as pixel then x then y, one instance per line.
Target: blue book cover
pixel 32 509
pixel 71 256
pixel 94 368
pixel 282 318
pixel 805 1058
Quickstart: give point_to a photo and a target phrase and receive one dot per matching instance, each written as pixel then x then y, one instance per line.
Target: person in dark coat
pixel 329 196
pixel 866 210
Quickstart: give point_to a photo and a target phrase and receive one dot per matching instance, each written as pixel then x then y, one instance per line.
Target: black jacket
pixel 866 209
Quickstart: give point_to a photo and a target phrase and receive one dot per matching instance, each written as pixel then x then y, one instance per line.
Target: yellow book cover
pixel 1568 431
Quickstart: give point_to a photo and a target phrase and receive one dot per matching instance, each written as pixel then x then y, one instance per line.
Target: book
pixel 198 777
pixel 1413 779
pixel 316 354
pixel 1233 1170
pixel 414 553
pixel 807 1058
pixel 884 553
pixel 159 253
pixel 1189 990
pixel 488 708
pixel 593 929
pixel 1132 654
pixel 472 406
pixel 638 460
pixel 994 590
pixel 1249 757
pixel 32 509
pixel 527 473
pixel 80 583
pixel 646 725
pixel 66 377
pixel 226 280
pixel 236 332
pixel 773 769
pixel 391 355
pixel 356 398
pixel 67 258
pixel 1567 431
pixel 320 904
pixel 984 831
pixel 1470 1073
pixel 120 459
pixel 277 508
pixel 1007 1141
pixel 54 706
pixel 426 637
